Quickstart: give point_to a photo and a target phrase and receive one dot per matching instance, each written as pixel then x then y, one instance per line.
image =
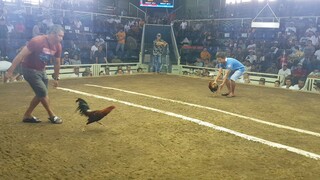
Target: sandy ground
pixel 142 144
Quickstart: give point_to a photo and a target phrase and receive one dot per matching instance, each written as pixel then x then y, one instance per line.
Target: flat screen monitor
pixel 157 3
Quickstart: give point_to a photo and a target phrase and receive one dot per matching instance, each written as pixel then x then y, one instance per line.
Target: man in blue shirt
pixel 233 70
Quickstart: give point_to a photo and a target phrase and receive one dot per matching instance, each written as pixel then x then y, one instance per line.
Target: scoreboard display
pixel 157 3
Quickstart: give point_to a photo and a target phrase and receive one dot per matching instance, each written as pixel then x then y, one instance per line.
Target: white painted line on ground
pixel 203 123
pixel 213 109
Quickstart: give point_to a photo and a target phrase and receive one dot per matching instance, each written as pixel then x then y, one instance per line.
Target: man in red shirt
pixel 34 57
pixel 298 73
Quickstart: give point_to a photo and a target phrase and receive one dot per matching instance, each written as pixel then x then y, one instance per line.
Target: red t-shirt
pixel 42 52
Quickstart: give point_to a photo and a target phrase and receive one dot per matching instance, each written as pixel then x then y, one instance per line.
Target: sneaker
pixel 55 120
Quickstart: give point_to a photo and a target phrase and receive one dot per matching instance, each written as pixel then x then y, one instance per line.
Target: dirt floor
pixel 145 143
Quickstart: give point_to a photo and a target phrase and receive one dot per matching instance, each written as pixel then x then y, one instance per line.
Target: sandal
pixel 55 120
pixel 225 94
pixel 31 120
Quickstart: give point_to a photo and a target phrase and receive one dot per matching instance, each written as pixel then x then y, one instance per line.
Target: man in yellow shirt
pixel 121 37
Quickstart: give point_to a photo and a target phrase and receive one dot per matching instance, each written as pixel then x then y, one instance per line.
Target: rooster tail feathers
pixel 83 106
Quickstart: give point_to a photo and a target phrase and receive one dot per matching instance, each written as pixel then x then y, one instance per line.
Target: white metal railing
pixel 133 7
pixel 175 46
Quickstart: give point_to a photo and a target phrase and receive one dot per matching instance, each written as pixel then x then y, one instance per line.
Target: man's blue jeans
pixel 156 63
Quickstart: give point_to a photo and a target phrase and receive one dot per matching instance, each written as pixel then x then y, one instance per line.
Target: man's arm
pixel 56 68
pixel 219 74
pixel 17 60
pixel 225 77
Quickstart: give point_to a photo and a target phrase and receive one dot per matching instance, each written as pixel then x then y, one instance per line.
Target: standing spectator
pixel 34 57
pixel 3 37
pixel 234 69
pixel 158 50
pixel 94 48
pixel 121 37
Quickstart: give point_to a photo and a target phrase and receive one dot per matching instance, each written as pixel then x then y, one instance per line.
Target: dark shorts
pixel 38 81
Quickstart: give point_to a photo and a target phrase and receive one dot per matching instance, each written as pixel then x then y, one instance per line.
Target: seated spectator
pixel 121 38
pixel 316 86
pixel 205 55
pixel 65 60
pixel 101 73
pixel 272 69
pixel 245 78
pixel 75 60
pixel 284 73
pixel 251 57
pixel 107 70
pixel 248 66
pixel 76 72
pixel 139 70
pixel 317 54
pixel 300 86
pixel 100 56
pixel 36 31
pixel 199 62
pixel 48 21
pixel 262 81
pixel 298 73
pixel 277 83
pixel 315 74
pixel 288 84
pixel 87 72
pixel 119 70
pixel 128 70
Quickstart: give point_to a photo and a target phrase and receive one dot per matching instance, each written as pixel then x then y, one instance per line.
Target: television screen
pixel 157 3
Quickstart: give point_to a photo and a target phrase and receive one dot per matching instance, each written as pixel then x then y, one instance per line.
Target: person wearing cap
pixel 66 59
pixel 159 46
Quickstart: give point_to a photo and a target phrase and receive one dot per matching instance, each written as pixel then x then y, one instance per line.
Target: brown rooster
pixel 93 116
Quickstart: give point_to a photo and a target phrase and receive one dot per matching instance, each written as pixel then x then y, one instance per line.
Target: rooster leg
pixel 101 124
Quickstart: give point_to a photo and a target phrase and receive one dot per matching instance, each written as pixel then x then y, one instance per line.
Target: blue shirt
pixel 232 64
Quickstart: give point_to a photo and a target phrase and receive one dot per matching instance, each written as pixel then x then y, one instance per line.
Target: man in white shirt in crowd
pixel 284 72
